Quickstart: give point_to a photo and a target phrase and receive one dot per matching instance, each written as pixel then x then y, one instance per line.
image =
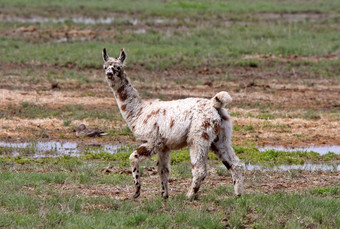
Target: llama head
pixel 114 67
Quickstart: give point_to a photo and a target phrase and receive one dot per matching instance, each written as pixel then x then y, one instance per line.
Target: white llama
pixel 163 126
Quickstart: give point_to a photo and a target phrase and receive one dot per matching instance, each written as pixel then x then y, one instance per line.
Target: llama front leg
pixel 163 166
pixel 136 158
pixel 198 159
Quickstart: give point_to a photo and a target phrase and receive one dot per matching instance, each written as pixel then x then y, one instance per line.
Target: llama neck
pixel 128 100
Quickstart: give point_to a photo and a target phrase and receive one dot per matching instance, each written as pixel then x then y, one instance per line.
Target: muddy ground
pixel 255 181
pixel 282 109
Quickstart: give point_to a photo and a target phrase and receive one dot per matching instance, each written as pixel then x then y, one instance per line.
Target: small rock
pixel 55 86
pixel 45 136
pixel 82 131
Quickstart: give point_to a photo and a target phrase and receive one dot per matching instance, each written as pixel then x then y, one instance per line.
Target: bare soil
pixel 289 98
pixel 255 181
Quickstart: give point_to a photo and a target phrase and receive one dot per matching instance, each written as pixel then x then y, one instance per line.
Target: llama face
pixel 114 67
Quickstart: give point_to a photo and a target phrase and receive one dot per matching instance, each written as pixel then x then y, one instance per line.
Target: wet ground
pixel 35 150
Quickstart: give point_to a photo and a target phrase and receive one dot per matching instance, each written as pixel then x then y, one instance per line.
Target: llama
pixel 163 126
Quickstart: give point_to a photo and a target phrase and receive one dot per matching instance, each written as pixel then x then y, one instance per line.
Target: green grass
pixel 171 8
pixel 246 154
pixel 216 47
pixel 44 192
pixel 69 112
pixel 29 200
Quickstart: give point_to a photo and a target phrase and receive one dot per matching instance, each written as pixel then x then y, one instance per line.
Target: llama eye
pixel 118 68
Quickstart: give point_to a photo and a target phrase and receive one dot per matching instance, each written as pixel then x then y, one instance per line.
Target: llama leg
pixel 163 166
pixel 198 159
pixel 232 163
pixel 226 154
pixel 222 147
pixel 136 158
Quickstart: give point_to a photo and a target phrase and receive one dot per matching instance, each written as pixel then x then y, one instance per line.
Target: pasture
pixel 279 61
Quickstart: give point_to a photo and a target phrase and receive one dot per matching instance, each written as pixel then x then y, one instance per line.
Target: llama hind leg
pixel 163 167
pixel 227 155
pixel 222 147
pixel 143 152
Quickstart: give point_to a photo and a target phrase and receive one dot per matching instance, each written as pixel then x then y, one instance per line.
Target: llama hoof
pixel 192 197
pixel 165 196
pixel 136 195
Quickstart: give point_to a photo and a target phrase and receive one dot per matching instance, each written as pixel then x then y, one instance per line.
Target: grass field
pixel 279 60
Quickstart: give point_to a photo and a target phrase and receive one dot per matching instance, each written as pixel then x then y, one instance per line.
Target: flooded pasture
pixel 306 167
pixel 55 149
pixel 62 148
pixel 322 150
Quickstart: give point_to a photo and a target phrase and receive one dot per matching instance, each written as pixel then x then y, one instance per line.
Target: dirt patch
pixel 58 35
pixel 54 99
pixel 296 17
pixel 287 59
pixel 254 92
pixel 296 132
pixel 255 181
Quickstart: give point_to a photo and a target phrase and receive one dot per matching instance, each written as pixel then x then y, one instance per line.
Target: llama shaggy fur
pixel 163 126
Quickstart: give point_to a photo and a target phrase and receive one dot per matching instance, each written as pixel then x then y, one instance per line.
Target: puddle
pixel 322 150
pixel 65 39
pixel 140 31
pixel 83 20
pixel 307 167
pixel 55 149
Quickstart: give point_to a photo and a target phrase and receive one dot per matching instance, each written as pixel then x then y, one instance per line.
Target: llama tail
pixel 221 99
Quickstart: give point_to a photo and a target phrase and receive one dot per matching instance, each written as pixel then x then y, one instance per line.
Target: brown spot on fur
pixel 172 122
pixel 225 118
pixel 133 128
pixel 140 111
pixel 206 124
pixel 196 189
pixel 192 165
pixel 205 136
pixel 130 114
pixel 217 138
pixel 153 113
pixel 198 101
pixel 143 151
pixel 155 125
pixel 164 112
pixel 123 107
pixel 122 93
pixel 217 127
pixel 145 121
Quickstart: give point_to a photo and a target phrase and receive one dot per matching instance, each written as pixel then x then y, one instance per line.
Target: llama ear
pixel 105 56
pixel 122 56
